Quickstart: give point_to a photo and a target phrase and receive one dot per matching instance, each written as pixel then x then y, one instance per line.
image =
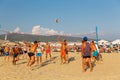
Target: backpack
pixel 87 50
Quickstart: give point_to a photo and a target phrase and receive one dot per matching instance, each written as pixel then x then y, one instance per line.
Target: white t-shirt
pixel 97 47
pixel 39 50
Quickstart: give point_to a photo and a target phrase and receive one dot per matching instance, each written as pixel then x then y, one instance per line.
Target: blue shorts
pixel 95 54
pixel 39 54
pixel 6 54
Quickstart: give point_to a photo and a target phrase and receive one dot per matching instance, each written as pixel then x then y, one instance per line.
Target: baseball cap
pixel 85 38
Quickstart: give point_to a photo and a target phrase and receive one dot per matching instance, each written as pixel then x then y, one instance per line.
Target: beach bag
pixel 87 50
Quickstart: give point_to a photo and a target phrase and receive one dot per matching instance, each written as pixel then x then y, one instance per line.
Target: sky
pixel 75 17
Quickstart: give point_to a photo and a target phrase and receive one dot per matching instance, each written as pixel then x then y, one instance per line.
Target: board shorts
pixel 47 51
pixel 25 52
pixel 15 55
pixel 63 53
pixel 86 57
pixel 95 54
pixel 31 54
pixel 39 54
pixel 6 54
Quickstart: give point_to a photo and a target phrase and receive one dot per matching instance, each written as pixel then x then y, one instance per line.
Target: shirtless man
pixel 6 53
pixel 15 54
pixel 63 52
pixel 31 54
pixel 48 50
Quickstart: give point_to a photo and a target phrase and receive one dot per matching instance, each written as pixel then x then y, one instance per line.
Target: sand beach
pixel 106 70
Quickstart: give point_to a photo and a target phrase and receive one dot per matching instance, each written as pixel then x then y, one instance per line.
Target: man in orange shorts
pixel 63 52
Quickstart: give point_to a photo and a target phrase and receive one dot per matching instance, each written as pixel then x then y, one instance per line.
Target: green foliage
pixel 28 37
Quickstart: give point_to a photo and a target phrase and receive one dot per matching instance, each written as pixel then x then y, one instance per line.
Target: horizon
pixel 89 38
pixel 59 17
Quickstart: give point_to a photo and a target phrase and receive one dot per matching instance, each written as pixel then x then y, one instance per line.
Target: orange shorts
pixel 63 53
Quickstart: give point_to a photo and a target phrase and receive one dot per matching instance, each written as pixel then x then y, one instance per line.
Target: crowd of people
pixel 28 51
pixel 34 51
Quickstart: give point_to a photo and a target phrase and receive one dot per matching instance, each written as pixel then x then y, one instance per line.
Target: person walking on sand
pixel 31 54
pixel 48 50
pixel 86 54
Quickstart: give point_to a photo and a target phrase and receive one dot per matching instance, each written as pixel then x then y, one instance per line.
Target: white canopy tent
pixel 117 41
pixel 103 42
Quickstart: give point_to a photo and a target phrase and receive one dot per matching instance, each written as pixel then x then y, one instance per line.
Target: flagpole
pixel 97 35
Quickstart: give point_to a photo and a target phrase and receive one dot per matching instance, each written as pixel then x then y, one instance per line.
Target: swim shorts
pixel 31 54
pixel 47 51
pixel 39 54
pixel 15 55
pixel 6 54
pixel 95 54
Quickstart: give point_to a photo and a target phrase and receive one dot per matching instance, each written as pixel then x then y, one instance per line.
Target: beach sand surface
pixel 106 70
